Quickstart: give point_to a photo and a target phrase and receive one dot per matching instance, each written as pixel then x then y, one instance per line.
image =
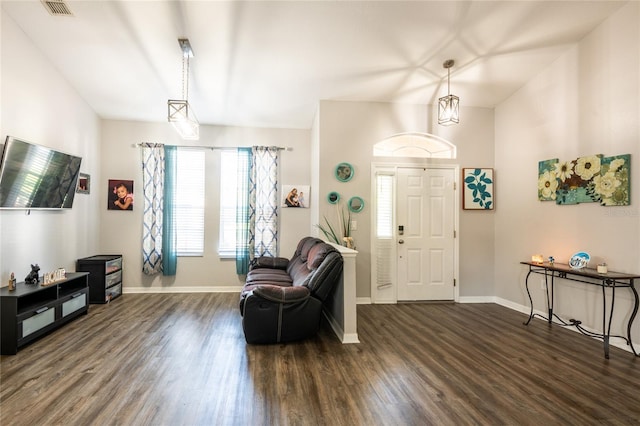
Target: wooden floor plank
pixel 181 359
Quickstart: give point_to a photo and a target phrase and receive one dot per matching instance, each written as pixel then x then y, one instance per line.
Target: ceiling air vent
pixel 57 7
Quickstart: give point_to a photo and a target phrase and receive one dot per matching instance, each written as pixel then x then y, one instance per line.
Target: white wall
pixel 347 132
pixel 121 231
pixel 39 106
pixel 587 102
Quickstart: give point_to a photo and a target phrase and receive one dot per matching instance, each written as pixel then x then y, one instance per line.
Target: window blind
pixel 384 230
pixel 228 204
pixel 189 201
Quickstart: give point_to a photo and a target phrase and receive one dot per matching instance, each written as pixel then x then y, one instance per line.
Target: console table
pixel 612 280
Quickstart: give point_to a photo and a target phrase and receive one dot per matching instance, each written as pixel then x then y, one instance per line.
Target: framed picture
pixel 477 189
pixel 84 184
pixel 355 204
pixel 120 194
pixel 344 172
pixel 295 196
pixel 333 197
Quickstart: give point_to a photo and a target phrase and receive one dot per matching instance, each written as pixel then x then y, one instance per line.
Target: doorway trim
pixel 383 287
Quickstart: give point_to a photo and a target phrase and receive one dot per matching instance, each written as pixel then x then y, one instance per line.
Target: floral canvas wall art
pixel 547 182
pixel 575 180
pixel 590 179
pixel 613 185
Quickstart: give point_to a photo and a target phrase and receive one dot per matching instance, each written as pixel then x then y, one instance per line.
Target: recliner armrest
pixel 279 294
pixel 270 262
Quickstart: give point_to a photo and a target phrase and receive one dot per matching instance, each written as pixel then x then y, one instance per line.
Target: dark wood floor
pixel 181 359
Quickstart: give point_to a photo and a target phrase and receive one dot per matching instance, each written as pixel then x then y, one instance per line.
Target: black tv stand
pixel 33 310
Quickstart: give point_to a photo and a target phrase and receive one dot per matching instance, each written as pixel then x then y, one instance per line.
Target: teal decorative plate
pixel 579 260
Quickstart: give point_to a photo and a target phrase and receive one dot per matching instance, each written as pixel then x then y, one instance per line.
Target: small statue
pixel 33 277
pixel 12 282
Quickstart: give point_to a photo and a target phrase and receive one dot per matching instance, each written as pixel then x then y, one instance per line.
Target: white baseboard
pixel 471 299
pixel 476 299
pixel 613 341
pixel 339 332
pixel 350 338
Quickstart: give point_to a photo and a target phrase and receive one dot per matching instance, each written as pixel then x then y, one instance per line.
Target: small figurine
pixel 33 277
pixel 551 260
pixel 12 282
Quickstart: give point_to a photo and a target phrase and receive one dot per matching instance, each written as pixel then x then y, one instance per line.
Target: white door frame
pixel 387 292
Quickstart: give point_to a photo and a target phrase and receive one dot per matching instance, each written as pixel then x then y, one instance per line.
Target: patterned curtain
pixel 153 189
pixel 257 205
pixel 263 202
pixel 242 212
pixel 169 233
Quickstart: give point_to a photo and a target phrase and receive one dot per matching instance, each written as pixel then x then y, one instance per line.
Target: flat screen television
pixel 36 177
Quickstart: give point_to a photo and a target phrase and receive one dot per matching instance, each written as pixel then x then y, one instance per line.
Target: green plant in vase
pixel 343 236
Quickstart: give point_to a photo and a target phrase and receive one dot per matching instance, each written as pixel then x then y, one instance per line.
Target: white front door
pixel 425 234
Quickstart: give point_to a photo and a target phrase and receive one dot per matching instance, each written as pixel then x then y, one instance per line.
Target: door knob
pixel 400 241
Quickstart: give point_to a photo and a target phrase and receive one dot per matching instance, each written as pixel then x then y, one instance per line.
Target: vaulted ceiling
pixel 268 63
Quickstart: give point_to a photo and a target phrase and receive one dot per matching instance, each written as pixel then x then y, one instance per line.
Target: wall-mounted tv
pixel 36 177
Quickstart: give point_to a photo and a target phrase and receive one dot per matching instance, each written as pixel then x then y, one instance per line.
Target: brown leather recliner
pixel 282 299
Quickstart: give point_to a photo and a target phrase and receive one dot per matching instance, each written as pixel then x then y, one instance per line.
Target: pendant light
pixel 180 113
pixel 448 106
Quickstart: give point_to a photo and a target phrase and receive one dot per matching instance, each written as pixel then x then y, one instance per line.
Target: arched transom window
pixel 418 145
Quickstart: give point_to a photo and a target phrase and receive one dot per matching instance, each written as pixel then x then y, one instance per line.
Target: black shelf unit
pixel 32 310
pixel 105 276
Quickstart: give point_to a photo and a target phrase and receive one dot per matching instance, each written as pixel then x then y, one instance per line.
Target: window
pixel 248 204
pixel 383 252
pixel 189 201
pixel 229 168
pixel 384 207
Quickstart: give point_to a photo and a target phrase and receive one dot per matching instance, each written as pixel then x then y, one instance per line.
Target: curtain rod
pixel 281 148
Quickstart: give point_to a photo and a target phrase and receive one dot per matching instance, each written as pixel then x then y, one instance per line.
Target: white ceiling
pixel 268 63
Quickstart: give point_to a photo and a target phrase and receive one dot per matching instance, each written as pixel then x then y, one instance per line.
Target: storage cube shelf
pixel 105 276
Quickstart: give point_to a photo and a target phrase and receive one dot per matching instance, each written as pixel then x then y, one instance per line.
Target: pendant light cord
pixel 185 77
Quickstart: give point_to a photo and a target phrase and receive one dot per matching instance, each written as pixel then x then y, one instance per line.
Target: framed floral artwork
pixel 477 193
pixel 613 184
pixel 547 181
pixel 575 179
pixel 590 179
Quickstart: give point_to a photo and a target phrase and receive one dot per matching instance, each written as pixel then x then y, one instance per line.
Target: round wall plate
pixel 333 197
pixel 344 172
pixel 356 204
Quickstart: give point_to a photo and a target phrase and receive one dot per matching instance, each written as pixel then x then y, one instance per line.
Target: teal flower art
pixel 478 189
